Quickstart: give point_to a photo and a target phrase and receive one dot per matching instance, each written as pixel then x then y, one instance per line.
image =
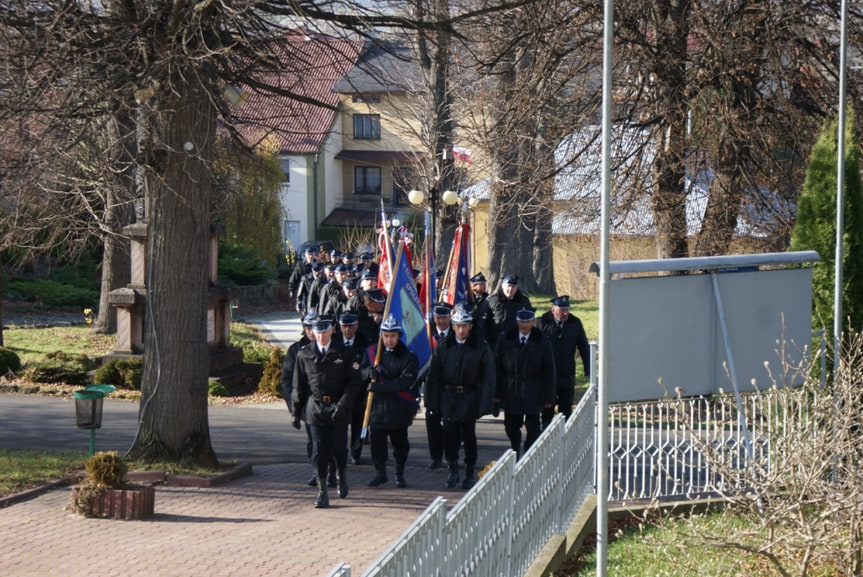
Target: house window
pixel 367 180
pixel 286 168
pixel 366 98
pixel 367 126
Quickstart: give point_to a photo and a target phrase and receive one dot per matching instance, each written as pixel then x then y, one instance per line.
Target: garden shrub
pixel 122 373
pixel 242 266
pixel 106 469
pixel 60 367
pixel 217 389
pixel 272 377
pixel 9 361
pixel 51 293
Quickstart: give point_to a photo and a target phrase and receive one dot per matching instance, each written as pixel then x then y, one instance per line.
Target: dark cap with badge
pixel 441 310
pixel 478 278
pixel 350 283
pixel 348 318
pixel 510 279
pixel 366 257
pixel 323 324
pixel 310 319
pixel 524 315
pixel 561 302
pixel 377 295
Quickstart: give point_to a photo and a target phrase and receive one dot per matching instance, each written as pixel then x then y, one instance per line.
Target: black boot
pixel 323 500
pixel 313 482
pixel 469 478
pixel 342 479
pixel 435 464
pixel 452 480
pixel 331 475
pixel 380 476
pixel 400 477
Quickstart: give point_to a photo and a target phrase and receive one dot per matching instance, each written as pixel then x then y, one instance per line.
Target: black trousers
pixel 454 434
pixel 401 445
pixel 330 442
pixel 358 413
pixel 564 405
pixel 434 429
pixel 512 423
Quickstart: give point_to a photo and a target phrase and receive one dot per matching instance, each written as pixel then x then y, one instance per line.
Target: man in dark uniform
pixel 482 312
pixel 301 268
pixel 567 337
pixel 356 343
pixel 326 382
pixel 339 302
pixel 461 386
pixel 503 305
pixel 441 316
pixel 287 382
pixel 370 322
pixel 393 402
pixel 524 366
pixel 313 303
pixel 305 287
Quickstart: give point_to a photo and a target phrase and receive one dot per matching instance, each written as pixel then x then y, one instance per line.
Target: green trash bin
pixel 88 409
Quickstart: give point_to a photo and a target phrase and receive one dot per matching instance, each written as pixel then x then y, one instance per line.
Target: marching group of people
pixel 351 367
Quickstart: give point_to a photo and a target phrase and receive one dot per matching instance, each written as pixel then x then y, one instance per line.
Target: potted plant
pixel 105 493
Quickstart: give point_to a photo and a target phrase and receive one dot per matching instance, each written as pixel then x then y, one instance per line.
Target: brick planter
pixel 129 504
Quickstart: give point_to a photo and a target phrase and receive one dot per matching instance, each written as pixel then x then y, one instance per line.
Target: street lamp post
pixel 449 197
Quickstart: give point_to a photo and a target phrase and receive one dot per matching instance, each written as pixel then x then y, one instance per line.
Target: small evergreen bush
pixel 107 470
pixel 272 377
pixel 9 361
pixel 60 367
pixel 217 389
pixel 122 373
pixel 243 267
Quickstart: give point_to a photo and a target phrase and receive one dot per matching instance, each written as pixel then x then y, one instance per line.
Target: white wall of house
pixel 333 186
pixel 294 197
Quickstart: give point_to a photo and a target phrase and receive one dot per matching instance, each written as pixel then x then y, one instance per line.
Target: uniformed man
pixel 301 268
pixel 326 382
pixel 567 337
pixel 287 381
pixel 461 386
pixel 524 366
pixel 502 307
pixel 357 343
pixel 482 313
pixel 305 287
pixel 441 316
pixel 394 405
pixel 370 322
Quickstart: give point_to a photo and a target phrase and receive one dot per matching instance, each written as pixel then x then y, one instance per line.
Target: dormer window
pixel 367 126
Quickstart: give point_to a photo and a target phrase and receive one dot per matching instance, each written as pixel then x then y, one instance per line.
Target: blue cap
pixel 391 324
pixel 442 310
pixel 368 274
pixel 317 266
pixel 376 295
pixel 524 315
pixel 334 253
pixel 348 256
pixel 340 268
pixel 561 301
pixel 366 256
pixel 348 318
pixel 310 319
pixel 510 279
pixel 350 283
pixel 323 324
pixel 477 278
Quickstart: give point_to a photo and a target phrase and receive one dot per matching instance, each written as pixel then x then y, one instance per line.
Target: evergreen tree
pixel 815 226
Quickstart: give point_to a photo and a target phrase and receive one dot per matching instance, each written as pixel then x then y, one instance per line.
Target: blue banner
pixel 404 304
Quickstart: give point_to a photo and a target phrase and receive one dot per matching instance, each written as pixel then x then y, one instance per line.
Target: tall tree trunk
pixel 669 70
pixel 173 423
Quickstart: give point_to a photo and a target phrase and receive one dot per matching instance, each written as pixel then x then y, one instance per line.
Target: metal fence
pixel 655 450
pixel 499 527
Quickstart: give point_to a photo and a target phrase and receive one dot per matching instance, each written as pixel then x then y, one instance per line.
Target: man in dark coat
pixel 461 386
pixel 503 305
pixel 305 287
pixel 394 403
pixel 302 267
pixel 326 382
pixel 524 366
pixel 567 337
pixel 357 343
pixel 482 312
pixel 287 381
pixel 441 316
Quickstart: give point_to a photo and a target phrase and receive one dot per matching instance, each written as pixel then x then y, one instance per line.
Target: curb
pixel 153 477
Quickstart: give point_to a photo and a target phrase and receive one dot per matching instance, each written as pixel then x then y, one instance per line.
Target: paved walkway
pixel 263 524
